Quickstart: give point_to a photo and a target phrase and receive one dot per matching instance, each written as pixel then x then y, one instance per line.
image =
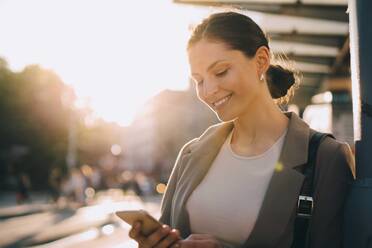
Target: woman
pixel 238 184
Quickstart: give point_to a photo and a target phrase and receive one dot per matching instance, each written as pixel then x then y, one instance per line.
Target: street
pixel 39 224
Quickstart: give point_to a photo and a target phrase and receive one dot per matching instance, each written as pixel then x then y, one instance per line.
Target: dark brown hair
pixel 241 33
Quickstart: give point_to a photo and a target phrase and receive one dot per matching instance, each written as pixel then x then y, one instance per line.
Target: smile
pixel 222 101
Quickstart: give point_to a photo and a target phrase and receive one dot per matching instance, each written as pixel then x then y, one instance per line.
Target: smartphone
pixel 149 223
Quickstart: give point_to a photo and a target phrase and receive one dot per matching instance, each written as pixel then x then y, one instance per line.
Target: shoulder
pixel 213 129
pixel 333 176
pixel 195 142
pixel 336 157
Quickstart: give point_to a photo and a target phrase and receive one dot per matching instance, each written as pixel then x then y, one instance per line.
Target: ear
pixel 262 58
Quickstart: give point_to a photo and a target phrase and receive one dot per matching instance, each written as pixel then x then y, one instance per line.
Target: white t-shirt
pixel 227 202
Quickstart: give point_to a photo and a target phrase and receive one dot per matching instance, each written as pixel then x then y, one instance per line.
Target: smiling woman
pixel 240 184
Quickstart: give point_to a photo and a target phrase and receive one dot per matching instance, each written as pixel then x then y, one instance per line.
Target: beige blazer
pixel 274 227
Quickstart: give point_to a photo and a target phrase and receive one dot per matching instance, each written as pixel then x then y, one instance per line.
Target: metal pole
pixel 358 209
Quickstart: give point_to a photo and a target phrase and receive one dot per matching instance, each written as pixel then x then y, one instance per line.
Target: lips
pixel 222 101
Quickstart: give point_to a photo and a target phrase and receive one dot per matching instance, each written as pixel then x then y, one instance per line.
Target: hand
pixel 198 241
pixel 163 237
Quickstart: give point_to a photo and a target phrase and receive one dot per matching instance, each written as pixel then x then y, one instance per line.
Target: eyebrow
pixel 212 65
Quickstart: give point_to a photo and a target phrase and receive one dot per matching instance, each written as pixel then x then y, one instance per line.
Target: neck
pixel 259 128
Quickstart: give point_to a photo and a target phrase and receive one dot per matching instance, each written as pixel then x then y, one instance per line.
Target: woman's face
pixel 226 80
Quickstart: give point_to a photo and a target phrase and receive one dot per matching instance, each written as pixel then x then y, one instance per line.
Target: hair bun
pixel 279 80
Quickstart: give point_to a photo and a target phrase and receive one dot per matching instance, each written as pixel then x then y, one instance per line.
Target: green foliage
pixel 36 108
pixel 33 123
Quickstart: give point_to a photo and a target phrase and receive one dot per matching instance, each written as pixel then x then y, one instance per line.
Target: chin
pixel 225 117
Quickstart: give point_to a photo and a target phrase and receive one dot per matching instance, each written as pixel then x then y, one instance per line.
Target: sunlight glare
pixel 117 53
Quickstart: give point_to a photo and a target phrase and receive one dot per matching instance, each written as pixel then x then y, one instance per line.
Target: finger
pixel 176 245
pixel 134 232
pixel 176 232
pixel 157 236
pixel 169 240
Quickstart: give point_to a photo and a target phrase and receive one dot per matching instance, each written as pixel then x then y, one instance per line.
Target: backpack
pixel 305 204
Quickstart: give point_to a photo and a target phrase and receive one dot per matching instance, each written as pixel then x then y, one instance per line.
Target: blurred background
pixel 95 103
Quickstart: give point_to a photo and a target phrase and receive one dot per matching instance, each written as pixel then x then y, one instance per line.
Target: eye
pixel 222 73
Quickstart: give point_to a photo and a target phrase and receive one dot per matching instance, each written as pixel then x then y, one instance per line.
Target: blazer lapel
pixel 282 194
pixel 197 163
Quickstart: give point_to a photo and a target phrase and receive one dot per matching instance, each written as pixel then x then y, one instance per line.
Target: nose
pixel 210 88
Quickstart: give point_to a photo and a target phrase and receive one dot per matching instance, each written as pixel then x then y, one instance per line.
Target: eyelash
pixel 221 74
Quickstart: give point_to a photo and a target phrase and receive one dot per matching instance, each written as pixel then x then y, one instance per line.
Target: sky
pixel 116 54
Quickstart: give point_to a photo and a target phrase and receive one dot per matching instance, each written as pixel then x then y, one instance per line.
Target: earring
pixel 262 77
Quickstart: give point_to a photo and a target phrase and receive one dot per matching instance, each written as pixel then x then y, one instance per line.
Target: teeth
pixel 219 102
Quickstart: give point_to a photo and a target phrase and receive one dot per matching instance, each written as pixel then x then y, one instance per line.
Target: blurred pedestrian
pixel 23 187
pixel 96 179
pixel 55 181
pixel 239 183
pixel 74 186
pixel 79 184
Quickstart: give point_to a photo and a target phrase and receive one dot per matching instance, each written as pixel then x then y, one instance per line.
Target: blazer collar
pixel 281 196
pixel 294 150
pixel 295 147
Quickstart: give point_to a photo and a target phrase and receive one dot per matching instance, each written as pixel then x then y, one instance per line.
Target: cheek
pixel 247 82
pixel 199 94
pixel 239 83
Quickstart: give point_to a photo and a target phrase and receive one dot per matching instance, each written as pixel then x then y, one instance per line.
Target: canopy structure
pixel 312 33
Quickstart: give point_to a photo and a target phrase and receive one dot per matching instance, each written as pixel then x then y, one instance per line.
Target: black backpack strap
pixel 305 203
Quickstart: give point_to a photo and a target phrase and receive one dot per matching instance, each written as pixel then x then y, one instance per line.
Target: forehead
pixel 205 52
pixel 205 49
